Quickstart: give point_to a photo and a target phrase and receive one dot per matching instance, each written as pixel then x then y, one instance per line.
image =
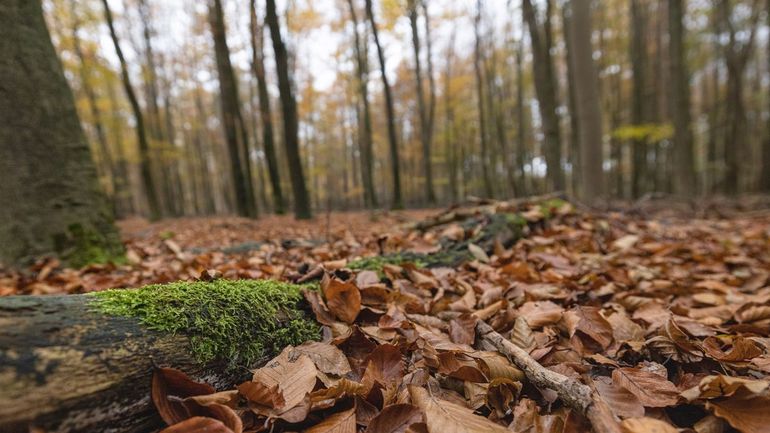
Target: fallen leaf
pixel 622 402
pixel 647 425
pixel 651 389
pixel 342 298
pixel 395 418
pixel 341 422
pixel 283 382
pixel 442 416
pixel 198 424
pixel 327 358
pixel 169 382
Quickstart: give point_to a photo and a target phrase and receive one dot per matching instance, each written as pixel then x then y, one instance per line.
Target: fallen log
pixel 83 363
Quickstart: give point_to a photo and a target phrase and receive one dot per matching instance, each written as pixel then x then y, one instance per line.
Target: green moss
pixel 80 246
pixel 238 321
pixel 375 263
pixel 547 207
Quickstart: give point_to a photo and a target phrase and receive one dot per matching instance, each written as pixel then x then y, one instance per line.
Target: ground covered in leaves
pixel 666 317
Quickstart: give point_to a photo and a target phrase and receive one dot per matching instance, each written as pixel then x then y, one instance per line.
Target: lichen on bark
pixel 240 322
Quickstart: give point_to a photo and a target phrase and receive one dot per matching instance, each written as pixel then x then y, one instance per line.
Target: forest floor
pixel 664 311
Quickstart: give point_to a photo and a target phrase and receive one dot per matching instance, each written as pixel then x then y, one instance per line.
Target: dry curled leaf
pixel 342 298
pixel 198 424
pixel 341 422
pixel 647 425
pixel 169 386
pixel 283 382
pixel 395 418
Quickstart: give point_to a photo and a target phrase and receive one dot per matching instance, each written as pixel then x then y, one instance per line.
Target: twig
pixel 574 394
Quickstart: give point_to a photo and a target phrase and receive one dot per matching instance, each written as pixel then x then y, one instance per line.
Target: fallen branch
pixel 574 394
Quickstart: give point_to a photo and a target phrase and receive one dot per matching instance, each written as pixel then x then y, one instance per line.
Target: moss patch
pixel 375 263
pixel 240 322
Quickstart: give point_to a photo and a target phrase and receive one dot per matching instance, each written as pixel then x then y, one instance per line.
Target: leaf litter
pixel 665 318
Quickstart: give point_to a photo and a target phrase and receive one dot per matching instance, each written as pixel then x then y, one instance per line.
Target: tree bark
pixel 236 135
pixel 366 156
pixel 51 199
pixel 483 136
pixel 639 63
pixel 764 175
pixel 684 159
pixel 265 112
pixel 290 121
pixel 545 88
pixel 141 134
pixel 587 102
pixel 422 110
pixel 398 202
pixel 431 123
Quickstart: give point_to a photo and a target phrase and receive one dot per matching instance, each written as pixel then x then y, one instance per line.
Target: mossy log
pixel 83 363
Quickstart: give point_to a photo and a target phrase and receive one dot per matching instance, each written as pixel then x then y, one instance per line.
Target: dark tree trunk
pixel 236 135
pixel 521 120
pixel 51 200
pixel 483 136
pixel 639 96
pixel 398 202
pixel 422 110
pixel 574 128
pixel 545 88
pixel 684 158
pixel 587 103
pixel 431 123
pixel 141 134
pixel 365 151
pixel 290 121
pixel 450 146
pixel 265 112
pixel 764 174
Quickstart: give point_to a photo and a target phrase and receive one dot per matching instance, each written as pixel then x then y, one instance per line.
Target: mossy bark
pixel 66 365
pixel 51 201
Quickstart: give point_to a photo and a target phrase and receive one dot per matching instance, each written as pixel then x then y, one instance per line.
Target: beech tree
pixel 52 203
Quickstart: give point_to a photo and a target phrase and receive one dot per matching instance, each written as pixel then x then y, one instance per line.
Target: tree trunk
pixel 422 110
pixel 265 113
pixel 105 154
pixel 236 135
pixel 764 174
pixel 587 102
pixel 365 151
pixel 398 202
pixel 545 88
pixel 141 134
pixel 574 128
pixel 521 120
pixel 290 121
pixel 50 195
pixel 431 79
pixel 639 97
pixel 684 163
pixel 477 60
pixel 450 146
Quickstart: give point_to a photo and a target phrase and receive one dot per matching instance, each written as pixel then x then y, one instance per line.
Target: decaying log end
pixel 67 366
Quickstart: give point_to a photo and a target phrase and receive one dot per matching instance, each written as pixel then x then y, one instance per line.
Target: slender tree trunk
pixel 236 135
pixel 365 151
pixel 545 88
pixel 106 159
pixel 587 102
pixel 450 145
pixel 290 121
pixel 574 128
pixel 122 180
pixel 50 195
pixel 398 202
pixel 639 96
pixel 521 120
pixel 144 147
pixel 684 159
pixel 477 64
pixel 430 196
pixel 265 112
pixel 431 122
pixel 764 175
pixel 736 58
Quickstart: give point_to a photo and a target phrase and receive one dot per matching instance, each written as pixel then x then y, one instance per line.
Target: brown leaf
pixel 742 349
pixel 589 321
pixel 716 386
pixel 283 382
pixel 342 298
pixel 198 424
pixel 541 313
pixel 462 329
pixel 395 418
pixel 522 335
pixel 622 402
pixel 169 382
pixel 647 425
pixel 341 422
pixel 442 416
pixel 651 389
pixel 327 358
pixel 386 364
pixel 748 415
